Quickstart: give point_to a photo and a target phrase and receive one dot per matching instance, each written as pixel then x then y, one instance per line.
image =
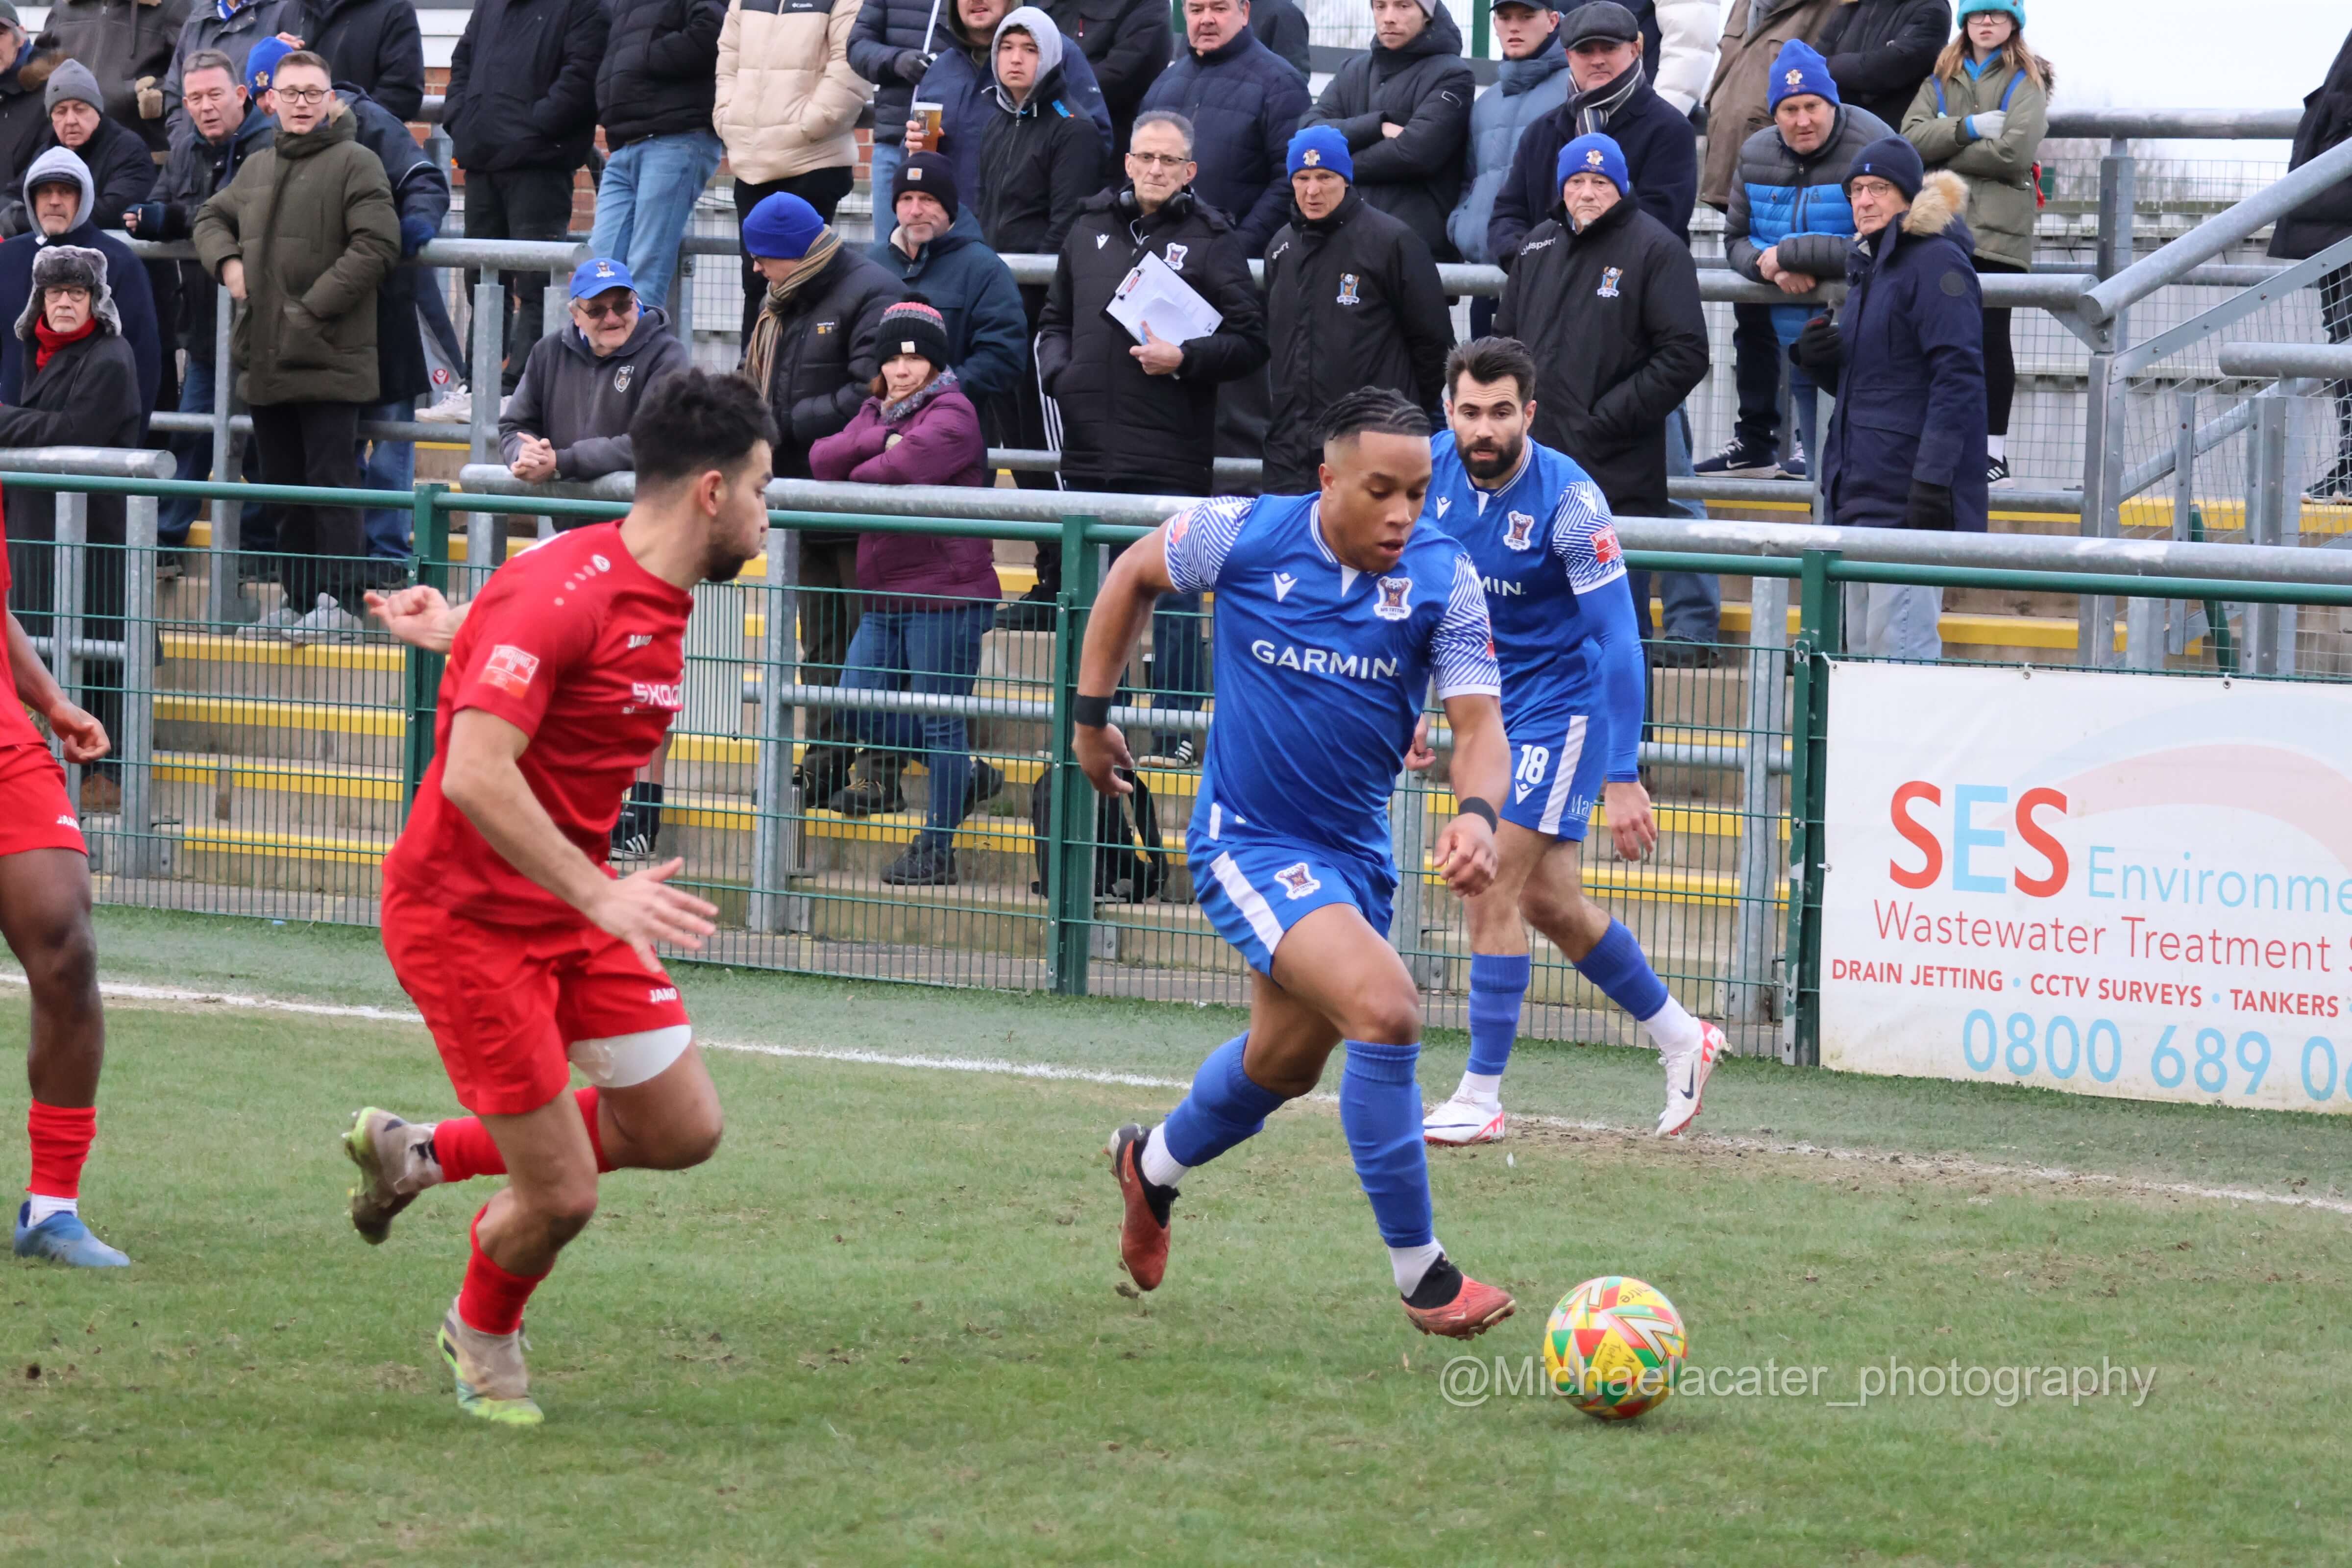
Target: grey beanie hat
pixel 64 265
pixel 72 80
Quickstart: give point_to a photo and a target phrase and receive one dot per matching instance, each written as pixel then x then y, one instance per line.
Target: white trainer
pixel 1461 1120
pixel 454 406
pixel 1686 1076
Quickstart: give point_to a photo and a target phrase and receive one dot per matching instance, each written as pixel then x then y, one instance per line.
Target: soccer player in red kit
pixel 45 916
pixel 527 956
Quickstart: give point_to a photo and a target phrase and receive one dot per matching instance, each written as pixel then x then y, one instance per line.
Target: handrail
pixel 2322 361
pixel 2110 124
pixel 114 462
pixel 986 511
pixel 2209 239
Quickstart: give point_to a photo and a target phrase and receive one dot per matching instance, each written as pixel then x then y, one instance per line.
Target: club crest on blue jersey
pixel 1520 531
pixel 1393 603
pixel 1609 277
pixel 1297 880
pixel 1348 295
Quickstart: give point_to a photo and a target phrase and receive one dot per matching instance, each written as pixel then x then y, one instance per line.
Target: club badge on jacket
pixel 1348 295
pixel 1609 277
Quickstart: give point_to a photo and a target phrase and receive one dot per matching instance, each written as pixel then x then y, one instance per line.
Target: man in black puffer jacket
pixel 1404 107
pixel 892 43
pixel 654 93
pixel 1352 299
pixel 1240 102
pixel 374 46
pixel 1128 42
pixel 118 161
pixel 1142 419
pixel 1039 158
pixel 1607 301
pixel 522 114
pixel 1881 50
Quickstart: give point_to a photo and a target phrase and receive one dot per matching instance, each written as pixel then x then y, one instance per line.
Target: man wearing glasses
pixel 303 237
pixel 569 417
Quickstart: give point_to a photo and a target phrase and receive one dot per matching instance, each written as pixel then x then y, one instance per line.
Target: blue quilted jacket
pixel 1780 193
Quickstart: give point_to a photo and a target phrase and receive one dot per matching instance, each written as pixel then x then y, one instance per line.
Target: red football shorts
pixel 34 811
pixel 513 1009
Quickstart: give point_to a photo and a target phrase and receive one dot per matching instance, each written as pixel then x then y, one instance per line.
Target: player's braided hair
pixel 1375 409
pixel 695 421
pixel 1488 361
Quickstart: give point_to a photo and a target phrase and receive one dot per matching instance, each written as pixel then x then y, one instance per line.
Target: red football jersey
pixel 583 650
pixel 16 724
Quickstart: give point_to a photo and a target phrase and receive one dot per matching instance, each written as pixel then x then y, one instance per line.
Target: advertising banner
pixel 2129 885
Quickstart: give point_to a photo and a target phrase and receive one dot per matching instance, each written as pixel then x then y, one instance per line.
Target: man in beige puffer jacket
pixel 787 108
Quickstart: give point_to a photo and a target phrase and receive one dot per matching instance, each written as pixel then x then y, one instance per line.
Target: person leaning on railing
pixel 81 391
pixel 1981 115
pixel 928 600
pixel 1906 354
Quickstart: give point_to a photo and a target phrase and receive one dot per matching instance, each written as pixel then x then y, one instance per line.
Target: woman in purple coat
pixel 928 601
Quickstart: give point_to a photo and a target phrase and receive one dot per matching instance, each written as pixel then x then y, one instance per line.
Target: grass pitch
pixel 887 1323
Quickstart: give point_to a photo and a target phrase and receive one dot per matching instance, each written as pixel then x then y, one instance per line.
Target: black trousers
pixel 321 549
pixel 829 616
pixel 518 204
pixel 2000 357
pixel 2336 318
pixel 822 189
pixel 1756 372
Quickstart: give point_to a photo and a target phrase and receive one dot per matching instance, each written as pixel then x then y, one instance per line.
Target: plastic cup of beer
pixel 929 115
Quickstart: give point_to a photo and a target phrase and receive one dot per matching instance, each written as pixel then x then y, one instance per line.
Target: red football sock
pixel 493 1299
pixel 61 1137
pixel 465 1149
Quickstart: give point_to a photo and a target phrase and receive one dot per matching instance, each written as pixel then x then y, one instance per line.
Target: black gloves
pixel 1931 506
pixel 1820 353
pixel 910 64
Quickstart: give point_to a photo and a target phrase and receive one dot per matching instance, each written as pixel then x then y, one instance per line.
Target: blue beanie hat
pixel 261 64
pixel 1322 147
pixel 781 227
pixel 1894 160
pixel 2012 9
pixel 1800 69
pixel 1594 155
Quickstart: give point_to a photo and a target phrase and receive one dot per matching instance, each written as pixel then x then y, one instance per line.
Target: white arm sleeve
pixel 1463 649
pixel 1201 537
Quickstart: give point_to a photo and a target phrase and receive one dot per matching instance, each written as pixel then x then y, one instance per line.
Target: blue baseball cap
pixel 1322 147
pixel 597 276
pixel 261 65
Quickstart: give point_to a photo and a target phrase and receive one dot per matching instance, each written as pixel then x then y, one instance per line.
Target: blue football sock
pixel 1498 984
pixel 1617 967
pixel 1226 1108
pixel 1380 1107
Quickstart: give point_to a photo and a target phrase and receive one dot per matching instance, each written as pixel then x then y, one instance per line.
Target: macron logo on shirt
pixel 1283 584
pixel 509 670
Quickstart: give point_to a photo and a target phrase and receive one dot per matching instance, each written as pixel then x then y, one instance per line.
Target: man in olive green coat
pixel 302 238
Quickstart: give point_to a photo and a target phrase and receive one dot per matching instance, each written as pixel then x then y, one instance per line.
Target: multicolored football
pixel 1614 1347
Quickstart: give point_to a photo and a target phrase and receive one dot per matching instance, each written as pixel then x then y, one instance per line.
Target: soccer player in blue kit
pixel 1334 612
pixel 1539 533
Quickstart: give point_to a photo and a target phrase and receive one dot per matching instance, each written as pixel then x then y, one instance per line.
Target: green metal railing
pixel 257 777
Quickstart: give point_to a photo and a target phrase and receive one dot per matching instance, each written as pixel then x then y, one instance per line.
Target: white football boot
pixel 1687 1075
pixel 1461 1120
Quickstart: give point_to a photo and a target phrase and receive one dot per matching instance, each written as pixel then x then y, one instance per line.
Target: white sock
pixel 1410 1263
pixel 42 1208
pixel 1485 1087
pixel 1159 1167
pixel 1672 1029
pixel 1996 446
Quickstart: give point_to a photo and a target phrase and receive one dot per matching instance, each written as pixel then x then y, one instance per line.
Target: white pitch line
pixel 1001 1068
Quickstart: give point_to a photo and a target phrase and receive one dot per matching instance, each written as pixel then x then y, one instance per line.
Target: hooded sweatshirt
pixel 134 297
pixel 962 82
pixel 1039 156
pixel 581 404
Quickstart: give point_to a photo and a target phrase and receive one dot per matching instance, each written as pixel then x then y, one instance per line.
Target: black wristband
pixel 1094 712
pixel 1471 806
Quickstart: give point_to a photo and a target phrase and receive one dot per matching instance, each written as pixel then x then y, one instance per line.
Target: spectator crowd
pixel 1888 147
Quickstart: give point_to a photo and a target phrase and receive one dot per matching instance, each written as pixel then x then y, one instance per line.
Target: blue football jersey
pixel 1322 669
pixel 1539 541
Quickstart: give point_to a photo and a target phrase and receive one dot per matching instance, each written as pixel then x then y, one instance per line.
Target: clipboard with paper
pixel 1153 293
